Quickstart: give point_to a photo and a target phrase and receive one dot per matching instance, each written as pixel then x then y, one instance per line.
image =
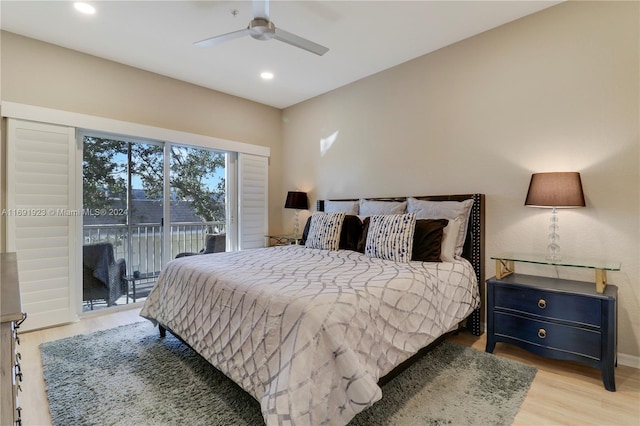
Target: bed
pixel 311 331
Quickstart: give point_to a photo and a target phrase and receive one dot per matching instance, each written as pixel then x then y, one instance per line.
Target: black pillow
pixel 362 242
pixel 305 233
pixel 350 233
pixel 427 239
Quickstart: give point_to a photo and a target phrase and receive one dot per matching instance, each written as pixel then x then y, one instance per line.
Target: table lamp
pixel 296 200
pixel 555 190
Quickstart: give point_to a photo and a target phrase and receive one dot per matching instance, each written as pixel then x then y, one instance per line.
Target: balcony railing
pixel 141 244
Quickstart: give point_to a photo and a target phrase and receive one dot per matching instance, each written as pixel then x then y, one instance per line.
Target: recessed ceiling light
pixel 267 75
pixel 84 8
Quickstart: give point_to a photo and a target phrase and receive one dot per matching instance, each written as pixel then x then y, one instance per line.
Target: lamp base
pixel 553 247
pixel 296 227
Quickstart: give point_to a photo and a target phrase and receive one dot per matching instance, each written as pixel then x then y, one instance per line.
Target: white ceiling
pixel 364 37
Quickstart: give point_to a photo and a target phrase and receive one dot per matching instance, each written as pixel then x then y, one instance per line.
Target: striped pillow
pixel 390 237
pixel 324 230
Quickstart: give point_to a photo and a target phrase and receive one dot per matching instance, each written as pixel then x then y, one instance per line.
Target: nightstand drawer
pixel 548 335
pixel 560 306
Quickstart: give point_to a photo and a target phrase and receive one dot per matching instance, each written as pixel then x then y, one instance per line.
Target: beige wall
pixel 42 74
pixel 555 91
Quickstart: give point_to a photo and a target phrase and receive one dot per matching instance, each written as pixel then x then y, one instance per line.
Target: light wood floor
pixel 562 393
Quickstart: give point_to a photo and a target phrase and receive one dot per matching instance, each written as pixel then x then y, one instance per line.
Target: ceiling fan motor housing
pixel 262 29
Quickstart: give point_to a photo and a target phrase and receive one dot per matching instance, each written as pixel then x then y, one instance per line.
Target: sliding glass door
pixel 129 188
pixel 198 200
pixel 145 218
pixel 123 209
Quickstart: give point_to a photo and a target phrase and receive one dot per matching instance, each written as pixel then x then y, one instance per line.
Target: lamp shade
pixel 296 200
pixel 557 189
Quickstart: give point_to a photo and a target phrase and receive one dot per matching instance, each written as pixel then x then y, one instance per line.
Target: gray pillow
pixel 349 207
pixel 371 207
pixel 451 210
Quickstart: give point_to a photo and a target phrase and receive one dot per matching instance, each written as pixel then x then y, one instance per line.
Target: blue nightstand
pixel 555 318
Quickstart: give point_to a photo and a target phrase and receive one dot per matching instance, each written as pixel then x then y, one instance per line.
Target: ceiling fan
pixel 261 28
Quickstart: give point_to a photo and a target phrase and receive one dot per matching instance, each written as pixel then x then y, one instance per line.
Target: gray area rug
pixel 129 376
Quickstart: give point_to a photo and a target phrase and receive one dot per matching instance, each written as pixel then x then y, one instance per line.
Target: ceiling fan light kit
pixel 262 28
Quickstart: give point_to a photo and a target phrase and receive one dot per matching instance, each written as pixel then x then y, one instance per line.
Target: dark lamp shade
pixel 296 200
pixel 558 189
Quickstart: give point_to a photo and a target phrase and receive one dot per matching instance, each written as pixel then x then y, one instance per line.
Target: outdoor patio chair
pixel 102 275
pixel 213 243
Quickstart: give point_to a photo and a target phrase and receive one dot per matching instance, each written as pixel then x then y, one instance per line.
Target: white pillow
pixel 444 210
pixel 390 237
pixel 324 230
pixel 371 207
pixel 349 207
pixel 449 238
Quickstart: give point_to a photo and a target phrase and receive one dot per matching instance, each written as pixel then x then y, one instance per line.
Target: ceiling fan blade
pixel 261 9
pixel 300 42
pixel 224 37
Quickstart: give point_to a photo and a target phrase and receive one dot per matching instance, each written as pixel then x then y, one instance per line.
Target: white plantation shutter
pixel 41 188
pixel 252 201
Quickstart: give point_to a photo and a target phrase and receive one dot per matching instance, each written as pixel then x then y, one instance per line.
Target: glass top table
pixel 286 239
pixel 505 265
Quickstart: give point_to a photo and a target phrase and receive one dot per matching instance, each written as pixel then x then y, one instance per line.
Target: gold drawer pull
pixel 542 333
pixel 542 303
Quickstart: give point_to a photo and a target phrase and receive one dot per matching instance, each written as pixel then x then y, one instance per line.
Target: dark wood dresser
pixel 11 318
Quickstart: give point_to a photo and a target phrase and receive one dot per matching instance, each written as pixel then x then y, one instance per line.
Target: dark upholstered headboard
pixel 473 249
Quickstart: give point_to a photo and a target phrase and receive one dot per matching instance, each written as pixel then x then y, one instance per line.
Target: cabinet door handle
pixel 542 333
pixel 542 303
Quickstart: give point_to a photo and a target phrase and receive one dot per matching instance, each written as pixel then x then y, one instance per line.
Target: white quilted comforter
pixel 309 332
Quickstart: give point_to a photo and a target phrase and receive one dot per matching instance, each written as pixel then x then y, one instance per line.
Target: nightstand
pixel 555 318
pixel 284 240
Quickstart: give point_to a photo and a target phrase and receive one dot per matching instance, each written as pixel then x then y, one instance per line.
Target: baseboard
pixel 629 360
